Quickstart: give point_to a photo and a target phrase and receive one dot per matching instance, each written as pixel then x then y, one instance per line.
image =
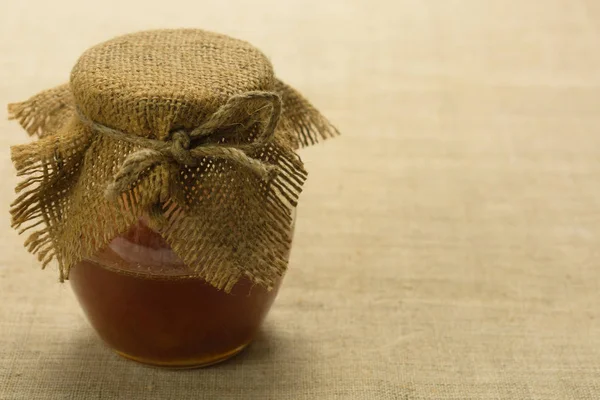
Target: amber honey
pixel 145 304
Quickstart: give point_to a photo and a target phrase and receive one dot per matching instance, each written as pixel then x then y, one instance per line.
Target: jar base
pixel 186 364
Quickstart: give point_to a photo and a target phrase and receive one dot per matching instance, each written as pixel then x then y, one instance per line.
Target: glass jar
pixel 148 306
pixel 211 139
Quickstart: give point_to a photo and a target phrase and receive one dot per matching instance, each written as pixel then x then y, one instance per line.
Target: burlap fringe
pixel 45 112
pixel 281 199
pixel 27 206
pixel 302 118
pixel 44 162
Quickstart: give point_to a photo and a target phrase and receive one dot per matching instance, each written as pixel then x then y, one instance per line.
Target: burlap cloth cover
pixel 186 126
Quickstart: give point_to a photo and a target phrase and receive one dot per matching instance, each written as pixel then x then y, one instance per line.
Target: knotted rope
pixel 189 148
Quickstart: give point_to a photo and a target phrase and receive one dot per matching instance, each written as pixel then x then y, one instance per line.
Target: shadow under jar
pixel 148 306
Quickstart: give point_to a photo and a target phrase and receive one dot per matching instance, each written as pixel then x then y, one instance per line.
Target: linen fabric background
pixel 447 244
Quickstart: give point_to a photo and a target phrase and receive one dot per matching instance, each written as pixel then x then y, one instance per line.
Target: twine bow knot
pixel 234 118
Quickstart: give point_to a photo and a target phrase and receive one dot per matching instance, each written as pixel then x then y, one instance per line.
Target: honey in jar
pixel 145 303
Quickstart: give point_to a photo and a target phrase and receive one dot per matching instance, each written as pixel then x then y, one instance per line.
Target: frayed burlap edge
pixel 51 116
pixel 45 112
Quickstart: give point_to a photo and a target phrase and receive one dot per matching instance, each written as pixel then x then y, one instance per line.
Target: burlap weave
pixel 222 175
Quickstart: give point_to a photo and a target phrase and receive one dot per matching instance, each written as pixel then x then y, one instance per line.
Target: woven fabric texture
pixel 178 125
pixel 447 243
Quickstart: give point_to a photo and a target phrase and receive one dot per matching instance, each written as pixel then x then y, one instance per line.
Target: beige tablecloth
pixel 447 244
